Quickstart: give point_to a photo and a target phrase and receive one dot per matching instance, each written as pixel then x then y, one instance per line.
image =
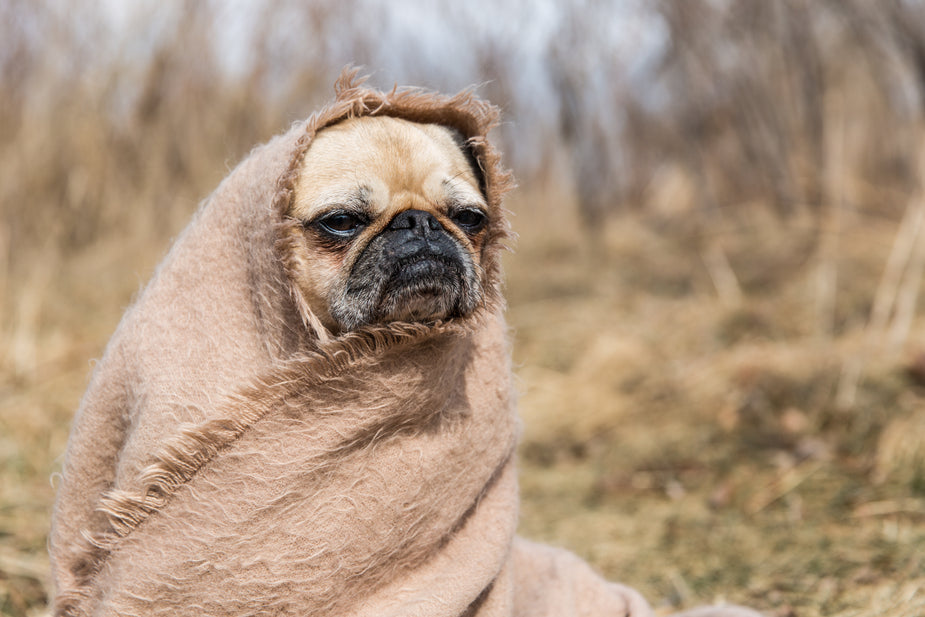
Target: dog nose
pixel 418 221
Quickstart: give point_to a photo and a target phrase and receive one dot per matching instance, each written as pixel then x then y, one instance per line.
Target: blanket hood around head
pixel 231 458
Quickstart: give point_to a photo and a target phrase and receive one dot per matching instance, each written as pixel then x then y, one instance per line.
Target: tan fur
pixel 403 165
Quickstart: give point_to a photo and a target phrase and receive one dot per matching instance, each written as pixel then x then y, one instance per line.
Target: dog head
pixel 392 218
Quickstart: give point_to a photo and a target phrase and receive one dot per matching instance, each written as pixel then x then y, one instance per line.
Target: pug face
pixel 392 223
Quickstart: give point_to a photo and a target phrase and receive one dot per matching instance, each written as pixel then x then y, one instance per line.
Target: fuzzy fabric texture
pixel 231 457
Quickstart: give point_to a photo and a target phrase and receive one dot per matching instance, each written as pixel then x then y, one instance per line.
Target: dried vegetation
pixel 714 298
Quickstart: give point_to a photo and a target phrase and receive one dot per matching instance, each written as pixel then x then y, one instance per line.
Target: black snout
pixel 416 221
pixel 414 233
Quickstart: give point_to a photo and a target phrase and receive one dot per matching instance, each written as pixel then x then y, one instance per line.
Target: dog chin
pixel 423 289
pixel 417 308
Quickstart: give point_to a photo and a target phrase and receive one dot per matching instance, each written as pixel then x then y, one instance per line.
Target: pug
pixel 392 216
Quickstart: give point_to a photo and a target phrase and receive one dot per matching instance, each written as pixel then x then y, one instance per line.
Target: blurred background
pixel 714 297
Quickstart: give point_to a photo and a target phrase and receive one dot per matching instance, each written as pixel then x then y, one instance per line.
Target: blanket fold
pixel 232 457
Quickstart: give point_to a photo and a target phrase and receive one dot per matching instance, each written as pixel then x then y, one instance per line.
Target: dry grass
pixel 690 448
pixel 695 449
pixel 715 407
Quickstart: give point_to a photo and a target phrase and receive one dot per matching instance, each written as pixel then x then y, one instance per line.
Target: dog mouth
pixel 420 288
pixel 429 284
pixel 424 270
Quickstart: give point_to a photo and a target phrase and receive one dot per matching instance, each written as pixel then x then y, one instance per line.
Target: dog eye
pixel 341 223
pixel 470 219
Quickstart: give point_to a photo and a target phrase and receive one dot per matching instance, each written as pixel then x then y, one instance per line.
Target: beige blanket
pixel 231 458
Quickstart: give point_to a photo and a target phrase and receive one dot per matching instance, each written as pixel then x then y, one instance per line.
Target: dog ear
pixel 468 150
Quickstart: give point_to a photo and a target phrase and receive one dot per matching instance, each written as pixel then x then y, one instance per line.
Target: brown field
pixel 716 407
pixel 691 449
pixel 697 450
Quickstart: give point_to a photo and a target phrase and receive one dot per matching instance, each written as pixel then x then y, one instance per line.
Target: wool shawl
pixel 232 457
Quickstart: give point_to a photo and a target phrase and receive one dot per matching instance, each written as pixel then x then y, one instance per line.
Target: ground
pixel 697 443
